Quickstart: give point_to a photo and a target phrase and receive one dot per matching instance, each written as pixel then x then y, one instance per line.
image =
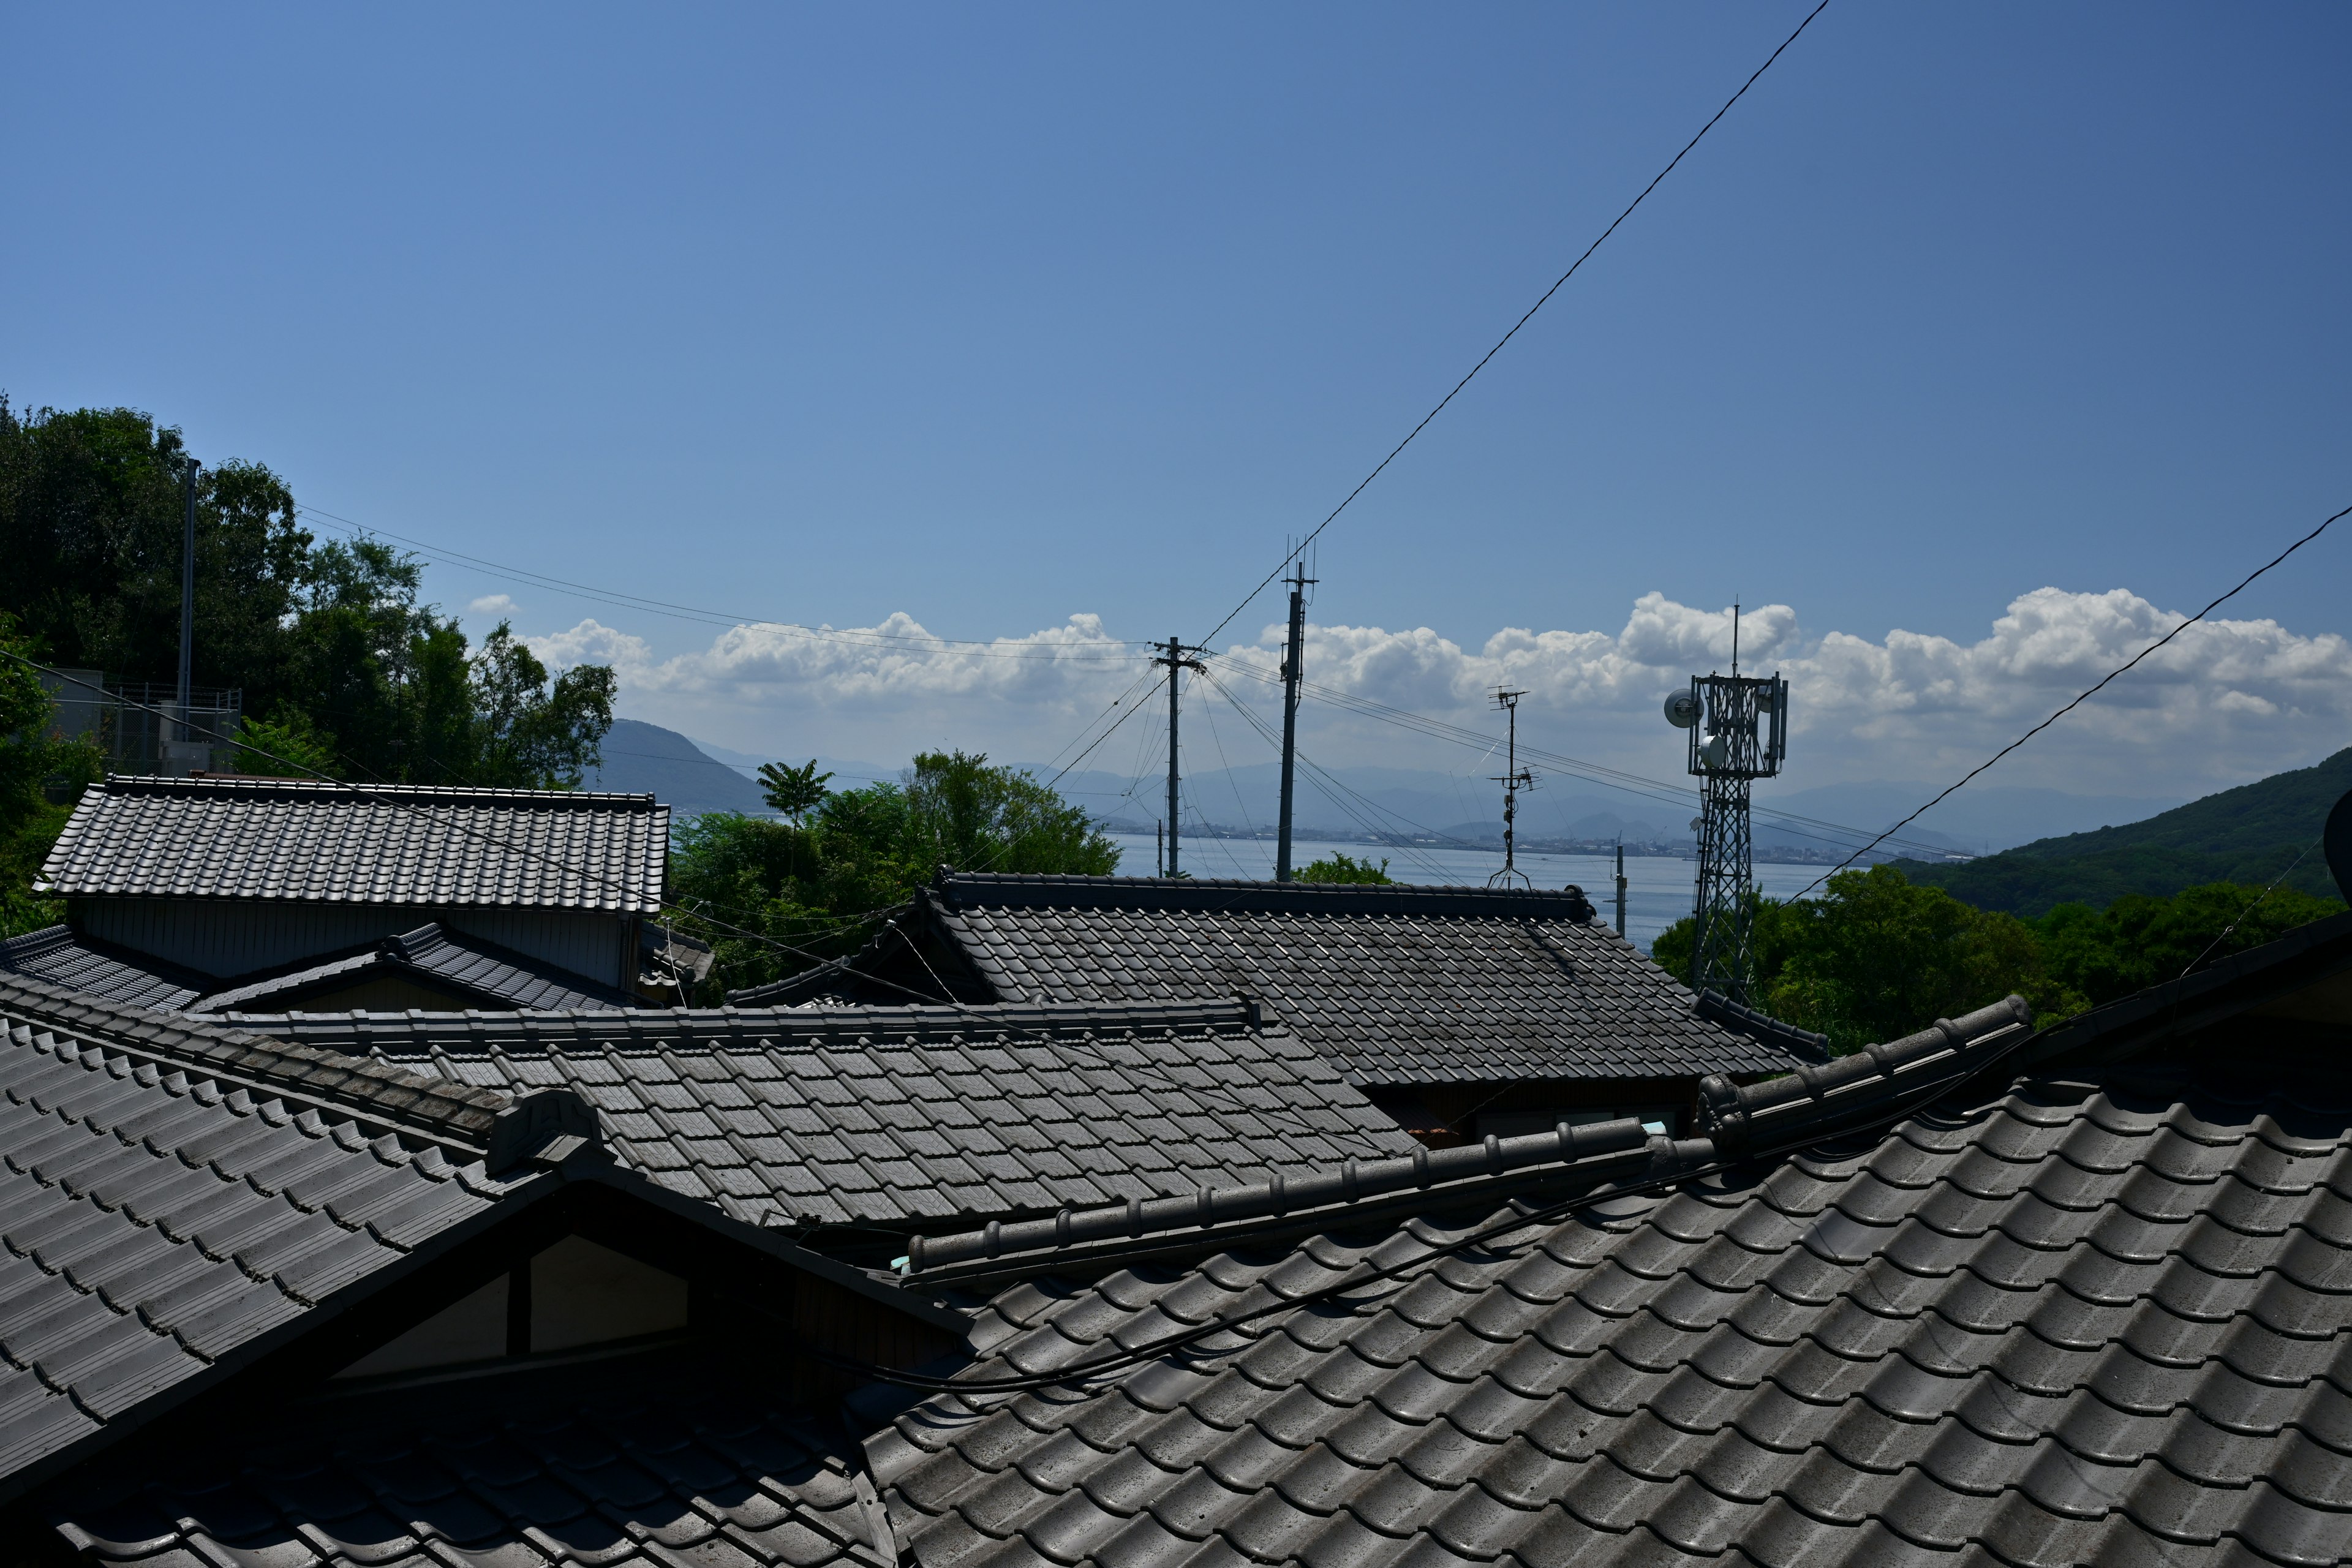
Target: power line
pixel 1522 322
pixel 1617 779
pixel 861 636
pixel 2078 701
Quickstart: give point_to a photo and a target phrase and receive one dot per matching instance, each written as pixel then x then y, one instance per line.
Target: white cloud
pixel 2227 700
pixel 492 604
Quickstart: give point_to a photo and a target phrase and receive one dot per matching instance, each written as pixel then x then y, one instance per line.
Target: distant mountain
pixel 646 759
pixel 1977 820
pixel 2248 835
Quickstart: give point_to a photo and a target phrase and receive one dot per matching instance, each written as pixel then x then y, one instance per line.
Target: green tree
pixel 971 817
pixel 794 791
pixel 342 666
pixel 41 776
pixel 1876 957
pixel 1341 867
pixel 2137 941
pixel 91 504
pixel 799 888
pixel 529 733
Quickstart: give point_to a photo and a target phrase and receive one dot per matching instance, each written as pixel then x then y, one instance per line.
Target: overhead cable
pixel 1522 322
pixel 2094 690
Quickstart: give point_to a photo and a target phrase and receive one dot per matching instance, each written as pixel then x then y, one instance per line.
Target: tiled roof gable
pixel 1396 985
pixel 914 1116
pixel 378 843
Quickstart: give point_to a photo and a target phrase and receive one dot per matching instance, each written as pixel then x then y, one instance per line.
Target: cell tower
pixel 1738 727
pixel 1514 778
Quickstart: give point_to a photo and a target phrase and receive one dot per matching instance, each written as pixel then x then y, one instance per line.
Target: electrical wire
pixel 2092 691
pixel 1522 322
pixel 855 637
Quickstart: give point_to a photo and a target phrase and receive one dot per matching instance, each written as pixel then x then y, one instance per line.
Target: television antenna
pixel 1514 778
pixel 1739 729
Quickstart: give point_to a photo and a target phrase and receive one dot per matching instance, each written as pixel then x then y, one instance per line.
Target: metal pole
pixel 187 593
pixel 1175 660
pixel 1175 663
pixel 1293 661
pixel 1620 887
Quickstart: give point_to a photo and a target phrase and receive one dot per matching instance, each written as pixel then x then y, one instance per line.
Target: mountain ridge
pixel 2250 835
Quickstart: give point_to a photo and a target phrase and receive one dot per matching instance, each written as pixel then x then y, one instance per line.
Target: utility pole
pixel 187 593
pixel 1513 779
pixel 1176 659
pixel 1620 887
pixel 1293 661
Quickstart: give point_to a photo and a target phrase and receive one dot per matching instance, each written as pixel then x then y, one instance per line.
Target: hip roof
pixel 1396 985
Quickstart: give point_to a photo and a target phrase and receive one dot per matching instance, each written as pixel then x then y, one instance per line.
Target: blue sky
pixel 992 317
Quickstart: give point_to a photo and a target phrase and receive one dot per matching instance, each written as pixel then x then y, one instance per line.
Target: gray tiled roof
pixel 58 956
pixel 631 1477
pixel 163 1213
pixel 482 973
pixel 2068 1318
pixel 374 844
pixel 910 1116
pixel 1398 984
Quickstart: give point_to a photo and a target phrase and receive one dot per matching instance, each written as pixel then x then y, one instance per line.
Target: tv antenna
pixel 1738 728
pixel 1514 778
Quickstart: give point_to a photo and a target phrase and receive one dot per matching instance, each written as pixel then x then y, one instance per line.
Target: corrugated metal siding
pixel 226 937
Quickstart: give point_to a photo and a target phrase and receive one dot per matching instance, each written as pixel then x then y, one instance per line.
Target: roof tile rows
pixel 480 972
pixel 376 843
pixel 907 1115
pixel 2069 1322
pixel 624 1479
pixel 1397 984
pixel 55 955
pixel 155 1219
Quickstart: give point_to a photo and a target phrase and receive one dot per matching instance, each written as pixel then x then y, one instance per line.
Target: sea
pixel 1657 887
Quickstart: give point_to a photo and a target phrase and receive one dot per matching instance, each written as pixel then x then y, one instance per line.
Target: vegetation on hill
pixel 342 668
pixel 775 897
pixel 2248 835
pixel 1879 956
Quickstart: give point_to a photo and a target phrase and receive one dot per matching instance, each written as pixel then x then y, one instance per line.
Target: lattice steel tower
pixel 1738 727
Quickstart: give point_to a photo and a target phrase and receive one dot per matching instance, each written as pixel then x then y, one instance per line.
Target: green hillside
pixel 2247 834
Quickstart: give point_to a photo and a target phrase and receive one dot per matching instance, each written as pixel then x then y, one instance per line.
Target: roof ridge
pixel 1235 1014
pixel 481 1121
pixel 1007 889
pixel 1356 1181
pixel 1735 1123
pixel 295 789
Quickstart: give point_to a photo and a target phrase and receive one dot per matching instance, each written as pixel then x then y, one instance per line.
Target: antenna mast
pixel 1514 778
pixel 1176 659
pixel 1292 662
pixel 1738 727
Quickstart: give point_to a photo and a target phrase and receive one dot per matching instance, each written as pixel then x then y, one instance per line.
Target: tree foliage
pixel 794 791
pixel 1877 956
pixel 35 763
pixel 342 668
pixel 1341 867
pixel 799 888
